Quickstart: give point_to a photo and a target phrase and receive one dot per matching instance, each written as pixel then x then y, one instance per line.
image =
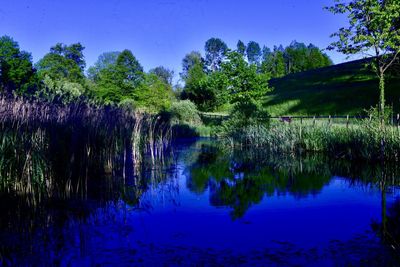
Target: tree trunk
pixel 382 97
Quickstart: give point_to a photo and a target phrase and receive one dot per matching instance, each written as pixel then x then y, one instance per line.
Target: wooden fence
pixel 394 120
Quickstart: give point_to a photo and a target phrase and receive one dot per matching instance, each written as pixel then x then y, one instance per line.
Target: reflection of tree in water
pixel 244 178
pixel 389 226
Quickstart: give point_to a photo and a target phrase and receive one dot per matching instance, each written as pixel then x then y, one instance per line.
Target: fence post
pixel 329 120
pixel 347 121
pixel 314 121
pixel 301 120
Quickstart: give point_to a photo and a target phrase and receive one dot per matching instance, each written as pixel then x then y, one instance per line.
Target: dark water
pixel 198 205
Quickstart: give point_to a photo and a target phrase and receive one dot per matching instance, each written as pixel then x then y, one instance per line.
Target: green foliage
pixel 185 112
pixel 60 90
pixel 210 92
pixel 118 81
pixel 241 48
pixel 153 94
pixel 245 84
pixel 189 61
pixel 215 50
pixel 16 70
pixel 63 63
pixel 193 90
pixel 274 63
pixel 163 73
pixel 297 57
pixel 104 61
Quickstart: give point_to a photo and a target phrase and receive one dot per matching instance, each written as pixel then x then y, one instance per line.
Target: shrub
pixel 185 112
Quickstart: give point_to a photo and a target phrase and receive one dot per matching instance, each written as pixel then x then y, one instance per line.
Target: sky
pixel 162 32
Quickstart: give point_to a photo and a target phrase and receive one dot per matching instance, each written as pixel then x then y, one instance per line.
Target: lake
pixel 197 204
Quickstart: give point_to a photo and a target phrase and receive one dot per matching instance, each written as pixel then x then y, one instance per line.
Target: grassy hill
pixel 342 89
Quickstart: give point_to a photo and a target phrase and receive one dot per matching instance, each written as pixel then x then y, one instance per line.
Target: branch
pixel 391 62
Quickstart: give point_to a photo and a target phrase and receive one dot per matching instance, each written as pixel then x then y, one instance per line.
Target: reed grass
pixel 366 140
pixel 49 149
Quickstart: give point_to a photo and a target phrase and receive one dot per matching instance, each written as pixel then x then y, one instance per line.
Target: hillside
pixel 347 88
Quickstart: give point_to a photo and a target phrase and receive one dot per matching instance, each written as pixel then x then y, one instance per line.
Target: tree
pixel 373 30
pixel 193 90
pixel 119 81
pixel 16 71
pixel 241 48
pixel 163 73
pixel 215 50
pixel 73 52
pixel 296 57
pixel 266 52
pixel 316 59
pixel 245 84
pixel 213 90
pixel 153 94
pixel 253 52
pixel 192 59
pixel 104 61
pixel 274 63
pixel 63 62
pixel 129 70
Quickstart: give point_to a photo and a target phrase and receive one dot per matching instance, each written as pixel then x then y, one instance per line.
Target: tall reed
pixel 366 140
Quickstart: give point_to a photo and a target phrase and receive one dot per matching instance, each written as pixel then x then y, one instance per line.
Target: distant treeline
pixel 118 77
pixel 209 80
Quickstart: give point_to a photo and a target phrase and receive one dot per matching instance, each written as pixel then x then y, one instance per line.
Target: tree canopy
pixel 63 62
pixel 16 70
pixel 166 75
pixel 215 50
pixel 253 52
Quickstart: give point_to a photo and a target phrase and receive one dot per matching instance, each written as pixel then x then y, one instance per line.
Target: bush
pixel 185 112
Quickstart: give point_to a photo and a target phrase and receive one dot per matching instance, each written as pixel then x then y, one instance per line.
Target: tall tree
pixel 63 62
pixel 163 73
pixel 274 63
pixel 296 57
pixel 73 52
pixel 193 89
pixel 241 48
pixel 373 30
pixel 245 83
pixel 189 61
pixel 119 81
pixel 266 52
pixel 253 52
pixel 16 71
pixel 104 61
pixel 215 50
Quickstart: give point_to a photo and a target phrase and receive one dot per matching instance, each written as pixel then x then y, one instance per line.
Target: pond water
pixel 199 205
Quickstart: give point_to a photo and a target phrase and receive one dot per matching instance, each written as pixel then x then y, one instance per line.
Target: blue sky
pixel 161 32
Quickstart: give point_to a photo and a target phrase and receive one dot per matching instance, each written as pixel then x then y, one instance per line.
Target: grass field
pixel 342 89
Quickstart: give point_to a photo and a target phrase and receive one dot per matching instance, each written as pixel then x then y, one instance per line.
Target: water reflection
pixel 198 203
